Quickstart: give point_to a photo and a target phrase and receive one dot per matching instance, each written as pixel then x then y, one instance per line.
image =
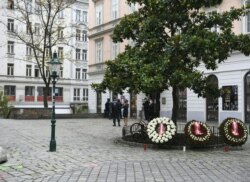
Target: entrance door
pixel 98 102
pixel 247 97
pixel 211 102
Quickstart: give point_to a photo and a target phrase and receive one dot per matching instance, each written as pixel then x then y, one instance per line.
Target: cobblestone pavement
pixel 87 151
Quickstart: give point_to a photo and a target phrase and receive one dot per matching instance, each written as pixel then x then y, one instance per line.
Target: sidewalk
pixel 86 151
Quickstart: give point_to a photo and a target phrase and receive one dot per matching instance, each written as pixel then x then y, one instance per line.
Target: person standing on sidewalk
pixel 125 112
pixel 116 108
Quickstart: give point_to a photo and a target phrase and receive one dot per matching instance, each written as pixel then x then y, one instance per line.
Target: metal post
pixel 52 147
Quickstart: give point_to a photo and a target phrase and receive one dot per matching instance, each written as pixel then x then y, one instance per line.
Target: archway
pixel 247 97
pixel 212 102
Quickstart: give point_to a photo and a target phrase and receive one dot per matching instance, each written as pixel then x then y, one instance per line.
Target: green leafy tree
pixel 5 109
pixel 172 39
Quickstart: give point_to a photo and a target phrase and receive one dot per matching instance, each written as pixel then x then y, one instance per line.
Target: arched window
pixel 212 102
pixel 247 97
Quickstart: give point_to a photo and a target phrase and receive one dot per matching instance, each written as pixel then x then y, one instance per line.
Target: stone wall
pixel 30 113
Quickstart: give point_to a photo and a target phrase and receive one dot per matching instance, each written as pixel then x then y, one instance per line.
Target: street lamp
pixel 54 67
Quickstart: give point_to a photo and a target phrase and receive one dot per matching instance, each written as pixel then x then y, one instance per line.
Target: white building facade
pixel 20 79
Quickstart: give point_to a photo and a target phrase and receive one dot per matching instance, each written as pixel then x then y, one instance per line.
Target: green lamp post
pixel 54 67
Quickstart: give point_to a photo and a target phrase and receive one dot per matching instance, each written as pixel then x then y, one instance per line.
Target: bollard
pixel 184 148
pixel 145 146
pixel 226 149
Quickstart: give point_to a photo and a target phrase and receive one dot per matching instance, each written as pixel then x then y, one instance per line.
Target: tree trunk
pixel 175 96
pixel 45 96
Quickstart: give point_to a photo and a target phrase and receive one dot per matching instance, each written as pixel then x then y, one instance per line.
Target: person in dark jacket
pixel 116 112
pixel 107 112
pixel 125 112
pixel 151 110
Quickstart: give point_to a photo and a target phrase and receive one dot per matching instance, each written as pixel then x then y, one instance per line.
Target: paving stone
pixel 87 151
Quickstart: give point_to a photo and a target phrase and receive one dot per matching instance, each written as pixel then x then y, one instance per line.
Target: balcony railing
pixel 49 98
pixel 11 97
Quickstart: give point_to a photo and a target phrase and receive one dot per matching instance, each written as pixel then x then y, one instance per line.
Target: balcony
pixel 97 68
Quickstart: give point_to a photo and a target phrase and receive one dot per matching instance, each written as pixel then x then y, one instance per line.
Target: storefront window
pixel 230 97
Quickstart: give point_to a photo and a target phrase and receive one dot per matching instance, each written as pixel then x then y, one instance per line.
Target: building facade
pixel 233 75
pixel 104 15
pixel 20 79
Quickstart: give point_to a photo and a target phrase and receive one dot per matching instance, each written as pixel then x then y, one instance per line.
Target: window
pixel 47 73
pixel 11 4
pixel 215 28
pixel 78 34
pixel 84 55
pixel 60 52
pixel 114 9
pixel 11 25
pixel 85 94
pixel 29 6
pixel 10 69
pixel 28 70
pixel 10 47
pixel 36 71
pixel 76 94
pixel 28 50
pixel 98 46
pixel 37 29
pixel 29 28
pixel 98 12
pixel 60 33
pixel 61 72
pixel 84 36
pixel 59 91
pixel 38 9
pixel 29 91
pixel 114 50
pixel 9 90
pixel 230 97
pixel 60 14
pixel 47 52
pixel 81 35
pixel 84 74
pixel 78 15
pixel 78 73
pixel 85 16
pixel 78 54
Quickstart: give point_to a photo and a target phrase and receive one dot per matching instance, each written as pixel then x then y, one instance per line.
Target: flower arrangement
pixel 161 130
pixel 233 131
pixel 197 133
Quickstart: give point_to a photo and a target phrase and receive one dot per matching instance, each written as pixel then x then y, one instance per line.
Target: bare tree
pixel 38 26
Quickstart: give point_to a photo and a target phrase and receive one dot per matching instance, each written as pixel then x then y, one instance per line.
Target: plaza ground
pixel 87 151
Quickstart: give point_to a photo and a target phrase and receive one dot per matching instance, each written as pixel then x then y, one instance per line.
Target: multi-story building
pixel 233 75
pixel 104 15
pixel 20 78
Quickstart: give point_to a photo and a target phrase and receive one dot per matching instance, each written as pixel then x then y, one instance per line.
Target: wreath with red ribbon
pixel 233 131
pixel 197 133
